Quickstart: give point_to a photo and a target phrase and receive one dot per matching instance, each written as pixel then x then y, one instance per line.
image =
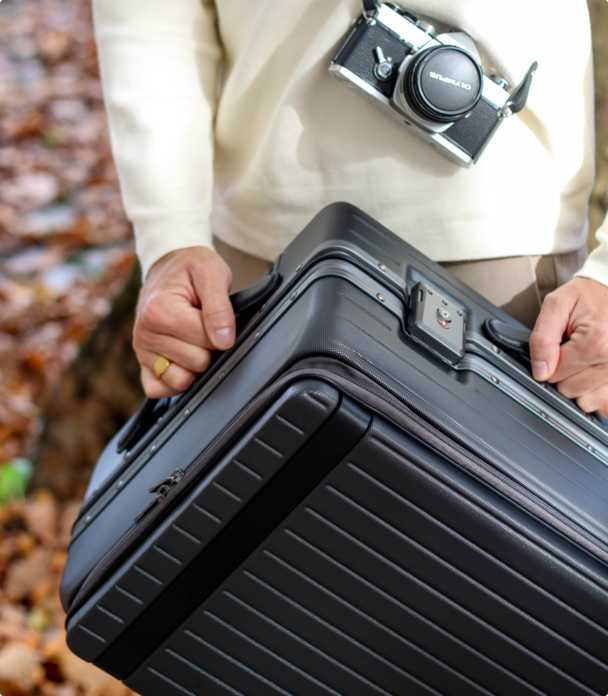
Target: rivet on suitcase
pixel 369 494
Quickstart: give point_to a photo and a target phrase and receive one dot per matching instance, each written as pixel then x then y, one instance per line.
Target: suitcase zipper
pixel 170 482
pixel 162 490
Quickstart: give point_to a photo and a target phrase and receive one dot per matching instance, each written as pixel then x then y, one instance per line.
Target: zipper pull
pixel 162 490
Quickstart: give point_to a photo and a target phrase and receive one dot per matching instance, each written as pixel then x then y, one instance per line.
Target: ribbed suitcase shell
pixel 391 580
pixel 450 535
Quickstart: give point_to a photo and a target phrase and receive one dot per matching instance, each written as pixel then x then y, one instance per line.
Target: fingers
pixel 167 314
pixel 177 379
pixel 183 313
pixel 212 283
pixel 579 367
pixel 596 400
pixel 584 382
pixel 152 340
pixel 589 387
pixel 174 381
pixel 549 330
pixel 576 357
pixel 190 357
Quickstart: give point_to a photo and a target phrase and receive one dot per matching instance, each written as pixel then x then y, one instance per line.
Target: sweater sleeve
pixel 159 63
pixel 596 266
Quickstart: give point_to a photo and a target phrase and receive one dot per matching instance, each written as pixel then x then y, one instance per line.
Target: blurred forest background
pixel 68 282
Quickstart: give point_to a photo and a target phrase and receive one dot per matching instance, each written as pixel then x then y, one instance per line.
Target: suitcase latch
pixel 162 490
pixel 437 322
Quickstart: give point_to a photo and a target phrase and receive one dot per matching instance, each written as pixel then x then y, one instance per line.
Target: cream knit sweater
pixel 284 137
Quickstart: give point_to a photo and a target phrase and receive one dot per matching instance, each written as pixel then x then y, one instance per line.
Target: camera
pixel 430 83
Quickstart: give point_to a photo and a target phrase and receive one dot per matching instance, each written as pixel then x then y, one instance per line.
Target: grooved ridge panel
pixel 378 584
pixel 217 501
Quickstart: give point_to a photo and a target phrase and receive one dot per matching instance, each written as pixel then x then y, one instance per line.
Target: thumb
pixel 547 335
pixel 212 281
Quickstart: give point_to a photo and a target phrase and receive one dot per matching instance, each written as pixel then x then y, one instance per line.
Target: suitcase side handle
pixel 515 339
pixel 244 303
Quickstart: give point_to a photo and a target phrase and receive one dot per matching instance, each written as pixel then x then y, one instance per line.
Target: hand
pixel 577 311
pixel 183 314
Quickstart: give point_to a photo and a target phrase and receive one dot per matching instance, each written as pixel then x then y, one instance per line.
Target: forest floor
pixel 65 245
pixel 65 251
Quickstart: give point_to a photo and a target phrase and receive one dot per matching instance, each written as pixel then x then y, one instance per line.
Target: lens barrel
pixel 443 83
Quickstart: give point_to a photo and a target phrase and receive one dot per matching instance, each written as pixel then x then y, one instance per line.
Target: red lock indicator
pixel 444 323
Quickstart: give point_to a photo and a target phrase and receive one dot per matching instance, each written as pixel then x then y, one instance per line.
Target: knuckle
pixel 204 261
pixel 539 341
pixel 567 390
pixel 153 392
pixel 217 309
pixel 600 345
pixel 154 316
pixel 585 403
pixel 212 265
pixel 202 361
pixel 138 331
pixel 182 380
pixel 153 389
pixel 552 299
pixel 138 342
pixel 213 261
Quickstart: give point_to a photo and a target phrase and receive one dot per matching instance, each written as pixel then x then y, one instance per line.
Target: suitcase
pixel 369 494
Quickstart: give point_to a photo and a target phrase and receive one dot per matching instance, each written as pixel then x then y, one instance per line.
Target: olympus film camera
pixel 430 83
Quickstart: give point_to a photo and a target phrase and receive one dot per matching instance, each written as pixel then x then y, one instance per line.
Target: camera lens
pixel 443 83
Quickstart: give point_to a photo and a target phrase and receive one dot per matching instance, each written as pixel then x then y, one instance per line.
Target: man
pixel 226 124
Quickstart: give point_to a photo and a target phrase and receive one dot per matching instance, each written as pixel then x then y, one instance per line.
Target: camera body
pixel 432 84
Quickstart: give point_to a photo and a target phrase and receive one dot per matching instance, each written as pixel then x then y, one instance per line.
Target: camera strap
pixel 518 99
pixel 370 6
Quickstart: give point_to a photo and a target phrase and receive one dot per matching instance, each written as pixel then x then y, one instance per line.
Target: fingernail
pixel 224 338
pixel 539 370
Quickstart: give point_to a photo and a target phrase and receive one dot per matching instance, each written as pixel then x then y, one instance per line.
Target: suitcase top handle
pixel 244 303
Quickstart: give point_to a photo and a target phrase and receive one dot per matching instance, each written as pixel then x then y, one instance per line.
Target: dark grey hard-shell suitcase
pixel 368 495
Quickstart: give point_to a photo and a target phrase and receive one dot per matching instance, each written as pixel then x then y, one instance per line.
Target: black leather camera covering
pixel 357 54
pixel 473 133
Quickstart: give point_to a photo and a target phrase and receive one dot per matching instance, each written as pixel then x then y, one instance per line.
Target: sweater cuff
pixel 596 266
pixel 157 237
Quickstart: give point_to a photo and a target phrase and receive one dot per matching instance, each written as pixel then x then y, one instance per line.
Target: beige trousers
pixel 518 284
